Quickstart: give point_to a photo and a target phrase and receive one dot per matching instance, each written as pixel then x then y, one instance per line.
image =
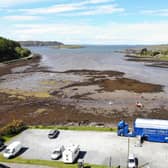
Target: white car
pixel 132 161
pixel 57 153
pixel 12 149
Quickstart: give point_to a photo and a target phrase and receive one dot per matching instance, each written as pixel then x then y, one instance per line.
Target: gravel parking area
pixel 13 165
pixel 96 147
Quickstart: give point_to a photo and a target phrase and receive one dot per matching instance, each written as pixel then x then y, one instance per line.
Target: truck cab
pixel 122 128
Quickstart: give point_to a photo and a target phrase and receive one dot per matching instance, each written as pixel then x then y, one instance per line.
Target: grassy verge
pixel 57 164
pixel 7 138
pixel 76 128
pixel 164 58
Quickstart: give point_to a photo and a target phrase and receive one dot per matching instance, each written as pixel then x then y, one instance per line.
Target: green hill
pixel 10 50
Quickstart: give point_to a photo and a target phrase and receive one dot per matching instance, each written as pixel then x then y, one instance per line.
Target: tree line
pixel 10 50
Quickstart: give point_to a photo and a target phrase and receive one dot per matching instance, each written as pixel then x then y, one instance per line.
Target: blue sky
pixel 86 21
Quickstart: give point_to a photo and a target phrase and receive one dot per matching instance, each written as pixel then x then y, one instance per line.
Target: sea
pixel 101 57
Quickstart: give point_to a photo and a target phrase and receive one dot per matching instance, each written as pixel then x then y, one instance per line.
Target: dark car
pixel 3 166
pixel 1 144
pixel 53 134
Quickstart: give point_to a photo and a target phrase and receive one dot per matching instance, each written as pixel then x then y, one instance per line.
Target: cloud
pixel 114 33
pixel 85 7
pixel 54 9
pixel 104 9
pixel 11 3
pixel 159 12
pixel 98 1
pixel 21 18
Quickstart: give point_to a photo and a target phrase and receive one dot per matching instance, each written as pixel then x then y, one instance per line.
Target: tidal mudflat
pixel 39 94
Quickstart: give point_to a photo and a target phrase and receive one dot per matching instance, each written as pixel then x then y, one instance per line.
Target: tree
pixel 144 51
pixel 10 49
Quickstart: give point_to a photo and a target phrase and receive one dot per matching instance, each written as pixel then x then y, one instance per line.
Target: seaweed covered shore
pixel 38 95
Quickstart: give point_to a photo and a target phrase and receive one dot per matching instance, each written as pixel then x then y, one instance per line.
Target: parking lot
pixel 96 147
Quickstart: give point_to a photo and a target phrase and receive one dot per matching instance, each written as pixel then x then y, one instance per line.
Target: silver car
pixel 57 153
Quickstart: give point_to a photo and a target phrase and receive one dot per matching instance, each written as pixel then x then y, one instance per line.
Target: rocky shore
pixel 38 95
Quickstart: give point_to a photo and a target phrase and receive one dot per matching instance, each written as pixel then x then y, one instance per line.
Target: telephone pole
pixel 128 150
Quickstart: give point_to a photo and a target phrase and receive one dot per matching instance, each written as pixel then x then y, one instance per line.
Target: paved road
pixel 96 147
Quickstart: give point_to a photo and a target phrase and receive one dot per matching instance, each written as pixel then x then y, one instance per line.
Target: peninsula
pixel 156 55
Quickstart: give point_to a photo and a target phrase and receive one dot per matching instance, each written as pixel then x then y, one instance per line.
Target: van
pixel 12 149
pixel 70 153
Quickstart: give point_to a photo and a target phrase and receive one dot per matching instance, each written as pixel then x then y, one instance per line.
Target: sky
pixel 86 21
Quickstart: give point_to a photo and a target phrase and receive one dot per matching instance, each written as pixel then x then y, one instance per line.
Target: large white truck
pixel 70 153
pixel 12 149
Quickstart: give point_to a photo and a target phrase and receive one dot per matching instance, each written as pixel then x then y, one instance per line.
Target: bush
pixel 13 128
pixel 155 53
pixel 23 52
pixel 144 51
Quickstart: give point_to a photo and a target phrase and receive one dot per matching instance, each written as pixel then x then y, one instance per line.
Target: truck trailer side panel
pixel 155 135
pixel 149 129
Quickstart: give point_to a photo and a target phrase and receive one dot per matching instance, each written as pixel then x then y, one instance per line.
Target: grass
pixel 8 138
pixel 57 164
pixel 158 47
pixel 76 128
pixel 164 58
pixel 156 53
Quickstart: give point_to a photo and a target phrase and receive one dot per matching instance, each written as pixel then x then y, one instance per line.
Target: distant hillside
pixel 40 43
pixel 158 47
pixel 10 50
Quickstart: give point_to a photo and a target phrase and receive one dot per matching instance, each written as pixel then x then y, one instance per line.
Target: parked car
pixel 12 149
pixel 2 146
pixel 3 166
pixel 53 134
pixel 132 163
pixel 57 153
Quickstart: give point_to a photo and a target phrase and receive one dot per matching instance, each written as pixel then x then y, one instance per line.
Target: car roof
pixel 52 131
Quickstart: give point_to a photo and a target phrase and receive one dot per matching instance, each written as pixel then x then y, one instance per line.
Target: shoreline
pixel 152 62
pixel 7 66
pixel 76 97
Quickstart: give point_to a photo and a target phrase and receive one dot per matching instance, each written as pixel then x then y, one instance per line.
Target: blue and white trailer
pixel 148 129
